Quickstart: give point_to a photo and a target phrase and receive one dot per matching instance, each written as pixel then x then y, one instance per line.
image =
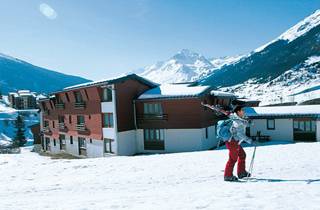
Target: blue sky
pixel 103 38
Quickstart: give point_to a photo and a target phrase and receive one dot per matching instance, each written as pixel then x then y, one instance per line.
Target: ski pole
pixel 252 162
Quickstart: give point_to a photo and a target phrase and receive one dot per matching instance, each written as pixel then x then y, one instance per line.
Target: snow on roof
pixel 283 110
pixel 112 80
pixel 222 94
pixel 174 90
pixel 6 109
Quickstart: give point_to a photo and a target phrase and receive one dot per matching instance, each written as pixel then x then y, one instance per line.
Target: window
pixel 71 139
pixel 206 133
pixel 53 124
pixel 304 126
pixel 270 124
pixel 82 142
pixel 153 134
pixel 70 120
pixel 108 145
pixel 106 94
pixel 58 99
pixel 108 120
pixel 54 142
pixel 152 108
pixel 46 124
pixel 78 97
pixel 61 119
pixel 80 120
pixel 90 141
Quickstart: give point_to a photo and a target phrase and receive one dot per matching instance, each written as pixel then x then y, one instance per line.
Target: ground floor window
pixel 71 139
pixel 271 124
pixel 54 142
pixel 153 139
pixel 62 141
pixel 304 130
pixel 82 142
pixel 47 139
pixel 108 145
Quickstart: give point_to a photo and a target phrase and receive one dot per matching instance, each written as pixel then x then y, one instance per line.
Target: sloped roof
pixel 113 81
pixel 281 111
pixel 174 91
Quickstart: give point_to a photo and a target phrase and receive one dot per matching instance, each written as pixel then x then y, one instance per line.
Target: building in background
pixel 23 99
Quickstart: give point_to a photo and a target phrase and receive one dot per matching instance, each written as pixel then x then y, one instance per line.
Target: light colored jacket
pixel 238 129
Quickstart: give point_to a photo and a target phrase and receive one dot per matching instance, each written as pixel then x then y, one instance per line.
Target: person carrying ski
pixel 236 152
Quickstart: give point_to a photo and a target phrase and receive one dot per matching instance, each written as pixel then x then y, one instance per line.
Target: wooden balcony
pixel 80 105
pixel 63 127
pixel 81 128
pixel 59 105
pixel 47 131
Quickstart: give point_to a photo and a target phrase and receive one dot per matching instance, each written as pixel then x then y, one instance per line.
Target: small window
pixel 53 124
pixel 70 119
pixel 54 142
pixel 71 139
pixel 106 95
pixel 108 145
pixel 80 120
pixel 78 97
pixel 108 120
pixel 270 124
pixel 90 141
pixel 61 119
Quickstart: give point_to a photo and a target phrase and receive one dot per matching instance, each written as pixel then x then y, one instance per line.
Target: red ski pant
pixel 236 153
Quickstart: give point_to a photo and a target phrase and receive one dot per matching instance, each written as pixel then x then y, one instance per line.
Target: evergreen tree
pixel 19 140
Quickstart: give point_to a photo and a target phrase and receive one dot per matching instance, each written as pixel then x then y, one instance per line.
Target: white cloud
pixel 48 11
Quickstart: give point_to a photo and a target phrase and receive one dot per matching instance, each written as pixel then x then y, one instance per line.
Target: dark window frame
pixel 269 127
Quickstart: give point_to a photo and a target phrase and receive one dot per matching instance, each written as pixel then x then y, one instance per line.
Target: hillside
pixel 287 178
pixel 16 74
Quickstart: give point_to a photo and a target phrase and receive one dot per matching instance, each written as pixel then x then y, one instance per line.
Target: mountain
pixel 16 74
pixel 185 66
pixel 291 60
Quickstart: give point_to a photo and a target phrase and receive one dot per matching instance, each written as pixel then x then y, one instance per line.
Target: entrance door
pixel 108 145
pixel 304 130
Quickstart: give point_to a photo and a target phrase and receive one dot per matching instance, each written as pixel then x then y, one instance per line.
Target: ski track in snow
pixel 173 181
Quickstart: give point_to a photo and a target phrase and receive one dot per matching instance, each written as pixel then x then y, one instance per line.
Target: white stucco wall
pixel 283 129
pixel 318 130
pixel 211 141
pixel 54 149
pixel 126 143
pixel 72 148
pixel 181 140
pixel 95 149
pixel 107 107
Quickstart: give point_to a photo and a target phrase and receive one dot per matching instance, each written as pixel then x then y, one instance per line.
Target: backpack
pixel 223 129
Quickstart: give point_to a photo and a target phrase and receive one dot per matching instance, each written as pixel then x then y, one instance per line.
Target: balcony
pixel 80 105
pixel 81 128
pixel 59 105
pixel 47 131
pixel 152 117
pixel 63 127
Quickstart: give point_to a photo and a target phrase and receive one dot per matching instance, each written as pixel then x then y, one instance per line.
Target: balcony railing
pixel 59 105
pixel 80 105
pixel 81 127
pixel 62 126
pixel 152 117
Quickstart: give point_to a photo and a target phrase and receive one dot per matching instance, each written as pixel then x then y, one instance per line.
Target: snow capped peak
pixel 302 27
pixel 297 30
pixel 186 56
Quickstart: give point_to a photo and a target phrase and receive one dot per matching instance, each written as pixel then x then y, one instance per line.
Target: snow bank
pixel 288 178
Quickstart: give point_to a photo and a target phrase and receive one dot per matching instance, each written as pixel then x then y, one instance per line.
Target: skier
pixel 236 152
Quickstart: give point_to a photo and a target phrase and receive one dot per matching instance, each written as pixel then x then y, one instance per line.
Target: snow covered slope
pixel 185 66
pixel 285 65
pixel 287 178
